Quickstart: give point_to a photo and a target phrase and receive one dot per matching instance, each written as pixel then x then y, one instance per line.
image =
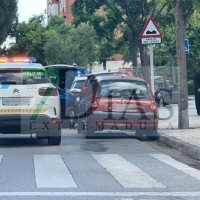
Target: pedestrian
pixel 197 90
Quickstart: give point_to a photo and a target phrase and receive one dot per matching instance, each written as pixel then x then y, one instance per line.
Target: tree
pixel 130 14
pixel 104 23
pixel 77 45
pixel 30 38
pixel 182 11
pixel 8 18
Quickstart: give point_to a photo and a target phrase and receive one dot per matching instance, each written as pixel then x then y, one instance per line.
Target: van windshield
pixel 23 76
pixel 124 89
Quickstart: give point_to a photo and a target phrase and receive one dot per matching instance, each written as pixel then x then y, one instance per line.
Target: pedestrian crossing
pixel 51 172
pixel 126 173
pixel 55 171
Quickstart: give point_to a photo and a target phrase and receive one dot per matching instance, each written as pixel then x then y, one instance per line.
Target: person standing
pixel 197 90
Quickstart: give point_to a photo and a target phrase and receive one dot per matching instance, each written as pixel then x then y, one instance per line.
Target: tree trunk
pixel 104 64
pixel 183 121
pixel 145 65
pixel 133 48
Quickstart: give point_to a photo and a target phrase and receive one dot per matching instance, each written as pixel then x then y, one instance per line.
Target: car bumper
pixel 119 121
pixel 18 124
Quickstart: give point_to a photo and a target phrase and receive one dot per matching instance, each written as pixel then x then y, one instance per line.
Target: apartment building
pixel 60 8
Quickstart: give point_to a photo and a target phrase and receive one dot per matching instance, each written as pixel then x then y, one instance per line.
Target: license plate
pixel 124 107
pixel 12 101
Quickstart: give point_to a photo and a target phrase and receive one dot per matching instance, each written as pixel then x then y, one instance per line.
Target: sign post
pixel 152 68
pixel 151 35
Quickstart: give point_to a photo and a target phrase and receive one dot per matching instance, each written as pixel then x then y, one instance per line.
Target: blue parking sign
pixel 186 46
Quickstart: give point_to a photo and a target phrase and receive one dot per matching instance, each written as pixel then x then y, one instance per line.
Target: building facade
pixel 60 8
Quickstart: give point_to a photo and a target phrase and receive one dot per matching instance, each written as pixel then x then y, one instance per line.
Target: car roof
pixel 105 71
pixel 60 66
pixel 21 66
pixel 122 77
pixel 157 77
pixel 80 78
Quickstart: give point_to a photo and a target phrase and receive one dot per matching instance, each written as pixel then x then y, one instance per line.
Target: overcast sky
pixel 28 8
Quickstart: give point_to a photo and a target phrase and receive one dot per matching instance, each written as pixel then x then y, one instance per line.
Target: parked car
pixel 166 91
pixel 118 102
pixel 77 85
pixel 92 76
pixel 69 107
pixel 29 103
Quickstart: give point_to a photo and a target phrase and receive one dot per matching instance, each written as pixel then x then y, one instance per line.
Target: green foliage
pixel 104 23
pixel 163 71
pixel 30 39
pixel 58 24
pixel 8 18
pixel 78 45
pixel 190 84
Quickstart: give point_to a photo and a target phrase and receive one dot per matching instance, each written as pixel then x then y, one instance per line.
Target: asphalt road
pixel 116 168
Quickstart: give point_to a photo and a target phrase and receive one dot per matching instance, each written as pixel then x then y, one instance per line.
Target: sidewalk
pixel 184 140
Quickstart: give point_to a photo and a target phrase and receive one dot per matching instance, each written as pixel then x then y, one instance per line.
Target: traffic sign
pixel 151 40
pixel 186 46
pixel 150 30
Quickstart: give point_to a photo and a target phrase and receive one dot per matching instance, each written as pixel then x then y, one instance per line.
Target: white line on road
pixel 1 156
pixel 104 194
pixel 51 172
pixel 127 174
pixel 177 165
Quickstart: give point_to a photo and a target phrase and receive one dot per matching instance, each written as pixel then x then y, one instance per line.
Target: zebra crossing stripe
pixel 177 165
pixel 1 156
pixel 127 174
pixel 51 172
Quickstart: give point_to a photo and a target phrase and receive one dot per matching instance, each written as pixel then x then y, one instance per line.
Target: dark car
pixel 69 107
pixel 118 103
pixel 166 91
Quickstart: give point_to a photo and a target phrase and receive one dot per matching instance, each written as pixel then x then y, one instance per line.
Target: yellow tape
pixel 22 110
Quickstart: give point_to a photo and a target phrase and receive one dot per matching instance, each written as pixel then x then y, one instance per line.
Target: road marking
pixel 127 174
pixel 178 165
pixel 1 156
pixel 104 194
pixel 51 172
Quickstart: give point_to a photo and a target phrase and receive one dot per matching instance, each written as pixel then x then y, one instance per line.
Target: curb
pixel 181 146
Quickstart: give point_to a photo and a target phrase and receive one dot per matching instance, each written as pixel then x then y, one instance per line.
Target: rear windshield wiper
pixel 8 82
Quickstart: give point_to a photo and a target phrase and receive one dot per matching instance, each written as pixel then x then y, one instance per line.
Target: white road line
pixel 127 174
pixel 177 165
pixel 51 172
pixel 103 194
pixel 1 156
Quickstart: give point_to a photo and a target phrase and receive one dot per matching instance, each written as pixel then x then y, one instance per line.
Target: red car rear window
pixel 127 89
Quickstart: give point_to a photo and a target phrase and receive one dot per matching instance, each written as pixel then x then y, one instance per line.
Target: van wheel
pixel 70 115
pixel 55 138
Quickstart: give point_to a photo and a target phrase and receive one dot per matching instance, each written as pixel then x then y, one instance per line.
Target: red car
pixel 118 103
pixel 92 76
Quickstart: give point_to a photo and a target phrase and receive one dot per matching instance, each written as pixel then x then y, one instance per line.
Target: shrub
pixel 190 84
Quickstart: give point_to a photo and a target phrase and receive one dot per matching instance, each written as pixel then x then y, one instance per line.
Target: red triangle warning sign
pixel 150 30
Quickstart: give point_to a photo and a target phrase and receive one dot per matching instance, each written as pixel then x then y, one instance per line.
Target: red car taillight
pixel 94 104
pixel 46 91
